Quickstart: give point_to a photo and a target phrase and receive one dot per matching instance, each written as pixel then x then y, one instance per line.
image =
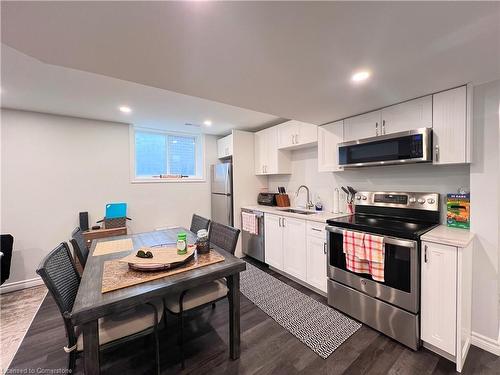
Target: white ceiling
pixel 29 84
pixel 289 59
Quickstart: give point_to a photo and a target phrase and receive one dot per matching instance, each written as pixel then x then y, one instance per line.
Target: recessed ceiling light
pixel 360 76
pixel 125 109
pixel 207 123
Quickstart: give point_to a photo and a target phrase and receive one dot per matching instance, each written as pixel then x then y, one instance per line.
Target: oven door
pixel 401 271
pixel 413 146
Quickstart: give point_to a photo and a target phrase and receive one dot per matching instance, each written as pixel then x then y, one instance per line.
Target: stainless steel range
pixel 391 306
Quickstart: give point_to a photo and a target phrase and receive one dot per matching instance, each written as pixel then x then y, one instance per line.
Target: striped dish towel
pixel 354 250
pixel 375 255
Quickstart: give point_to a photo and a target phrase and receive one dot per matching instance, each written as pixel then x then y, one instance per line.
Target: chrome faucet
pixel 309 204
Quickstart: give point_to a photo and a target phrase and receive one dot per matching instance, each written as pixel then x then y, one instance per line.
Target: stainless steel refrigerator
pixel 222 193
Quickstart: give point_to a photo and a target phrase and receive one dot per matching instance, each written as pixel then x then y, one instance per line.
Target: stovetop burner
pixel 397 214
pixel 383 225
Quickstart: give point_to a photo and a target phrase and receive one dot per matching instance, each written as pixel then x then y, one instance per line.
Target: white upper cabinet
pixel 295 134
pixel 362 126
pixel 413 114
pixel 225 147
pixel 451 126
pixel 328 138
pixel 268 158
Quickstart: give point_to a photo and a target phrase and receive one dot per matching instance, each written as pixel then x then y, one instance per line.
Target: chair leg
pixel 72 362
pixel 181 339
pixel 213 305
pixel 157 342
pixel 181 329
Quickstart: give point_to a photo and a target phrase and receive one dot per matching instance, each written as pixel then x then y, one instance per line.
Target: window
pixel 167 156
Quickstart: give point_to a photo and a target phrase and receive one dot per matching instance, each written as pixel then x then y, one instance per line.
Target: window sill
pixel 166 180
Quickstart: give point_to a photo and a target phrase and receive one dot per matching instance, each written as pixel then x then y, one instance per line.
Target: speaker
pixel 84 221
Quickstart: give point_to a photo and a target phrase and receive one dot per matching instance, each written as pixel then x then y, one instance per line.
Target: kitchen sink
pixel 294 211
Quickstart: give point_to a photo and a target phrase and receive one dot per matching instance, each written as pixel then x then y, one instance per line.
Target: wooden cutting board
pixel 117 275
pixel 161 255
pixel 114 246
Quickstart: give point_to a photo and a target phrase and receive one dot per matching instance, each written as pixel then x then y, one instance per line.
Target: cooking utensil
pixel 344 189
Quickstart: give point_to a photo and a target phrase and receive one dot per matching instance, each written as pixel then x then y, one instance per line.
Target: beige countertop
pixel 318 216
pixel 449 236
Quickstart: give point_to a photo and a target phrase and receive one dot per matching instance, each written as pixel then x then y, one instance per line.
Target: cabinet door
pixel 439 296
pixel 307 134
pixel 316 261
pixel 294 247
pixel 449 126
pixel 225 146
pixel 410 115
pixel 271 154
pixel 273 236
pixel 328 138
pixel 362 126
pixel 287 133
pixel 260 152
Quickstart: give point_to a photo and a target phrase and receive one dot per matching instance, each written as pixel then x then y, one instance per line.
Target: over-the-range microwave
pixel 411 146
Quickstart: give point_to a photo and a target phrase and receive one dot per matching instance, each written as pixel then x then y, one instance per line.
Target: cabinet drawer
pixel 316 229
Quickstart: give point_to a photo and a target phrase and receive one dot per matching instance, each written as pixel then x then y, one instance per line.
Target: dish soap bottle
pixel 181 243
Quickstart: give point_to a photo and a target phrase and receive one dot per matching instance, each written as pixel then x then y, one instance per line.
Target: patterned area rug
pixel 320 327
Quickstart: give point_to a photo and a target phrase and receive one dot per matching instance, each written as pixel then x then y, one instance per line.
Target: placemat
pixel 117 275
pixel 161 255
pixel 115 246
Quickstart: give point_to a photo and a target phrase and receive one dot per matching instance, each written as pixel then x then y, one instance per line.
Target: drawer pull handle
pixel 316 229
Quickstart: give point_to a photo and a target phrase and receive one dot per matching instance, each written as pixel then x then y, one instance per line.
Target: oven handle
pixel 387 240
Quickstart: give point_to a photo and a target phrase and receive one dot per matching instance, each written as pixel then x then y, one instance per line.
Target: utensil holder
pixel 282 200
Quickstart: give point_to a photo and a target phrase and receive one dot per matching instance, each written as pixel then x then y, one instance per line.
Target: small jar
pixel 202 244
pixel 181 243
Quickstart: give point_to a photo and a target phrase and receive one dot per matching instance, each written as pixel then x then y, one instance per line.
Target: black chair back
pixel 199 222
pixel 6 244
pixel 79 246
pixel 61 278
pixel 223 236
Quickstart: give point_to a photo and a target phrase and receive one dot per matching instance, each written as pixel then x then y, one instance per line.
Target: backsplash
pixel 414 177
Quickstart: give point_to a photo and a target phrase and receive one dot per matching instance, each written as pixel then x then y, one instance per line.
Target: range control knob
pixel 364 197
pixel 358 197
pixel 430 200
pixel 421 200
pixel 412 200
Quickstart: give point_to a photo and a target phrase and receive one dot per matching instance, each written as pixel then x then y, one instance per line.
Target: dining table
pixel 91 303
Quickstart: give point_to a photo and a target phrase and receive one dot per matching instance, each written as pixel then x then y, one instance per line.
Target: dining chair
pixel 224 237
pixel 198 222
pixel 79 246
pixel 62 279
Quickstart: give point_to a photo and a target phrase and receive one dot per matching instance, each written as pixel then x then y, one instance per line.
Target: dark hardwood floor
pixel 266 348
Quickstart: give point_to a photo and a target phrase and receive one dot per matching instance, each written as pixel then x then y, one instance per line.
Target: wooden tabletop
pixel 91 304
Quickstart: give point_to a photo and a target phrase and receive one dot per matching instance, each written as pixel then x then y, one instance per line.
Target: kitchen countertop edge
pixel 449 236
pixel 319 217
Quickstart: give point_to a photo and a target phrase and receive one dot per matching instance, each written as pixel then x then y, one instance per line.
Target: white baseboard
pixel 486 343
pixel 18 285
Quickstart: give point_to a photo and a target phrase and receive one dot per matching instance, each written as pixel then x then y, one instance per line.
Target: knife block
pixel 282 200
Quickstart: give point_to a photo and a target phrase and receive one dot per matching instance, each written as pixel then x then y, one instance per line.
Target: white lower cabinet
pixel 446 300
pixel 316 256
pixel 273 240
pixel 296 247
